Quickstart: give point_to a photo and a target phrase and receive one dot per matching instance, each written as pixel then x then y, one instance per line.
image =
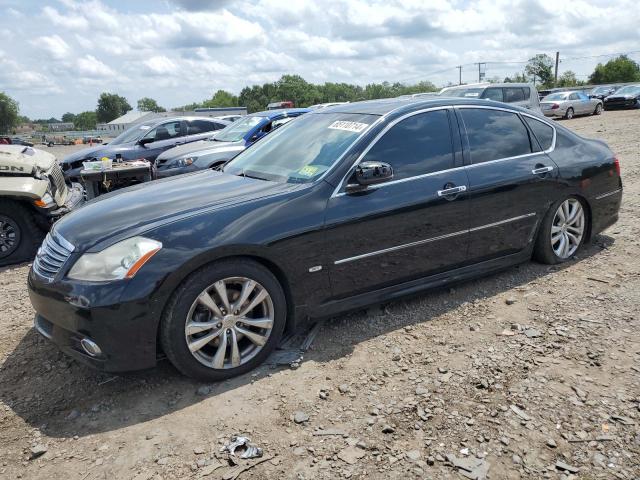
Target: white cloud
pixel 161 65
pixel 90 66
pixel 71 21
pixel 54 45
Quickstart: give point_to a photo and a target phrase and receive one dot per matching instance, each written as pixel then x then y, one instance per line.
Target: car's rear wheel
pixel 562 232
pixel 598 109
pixel 224 320
pixel 569 113
pixel 19 233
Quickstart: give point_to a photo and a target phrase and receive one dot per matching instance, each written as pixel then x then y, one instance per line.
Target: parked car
pixel 21 141
pixel 419 95
pixel 91 139
pixel 145 141
pixel 523 95
pixel 360 204
pixel 278 105
pixel 568 104
pixel 225 144
pixel 627 97
pixel 319 106
pixel 603 91
pixel 33 194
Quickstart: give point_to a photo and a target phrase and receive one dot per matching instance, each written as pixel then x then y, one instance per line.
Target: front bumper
pixel 68 312
pixel 621 104
pixel 75 199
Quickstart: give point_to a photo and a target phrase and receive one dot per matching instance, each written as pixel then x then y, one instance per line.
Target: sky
pixel 58 56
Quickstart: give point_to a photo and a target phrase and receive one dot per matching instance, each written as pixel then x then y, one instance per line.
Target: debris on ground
pixel 243 445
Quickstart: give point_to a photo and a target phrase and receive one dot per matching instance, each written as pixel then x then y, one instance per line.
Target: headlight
pixel 122 260
pixel 45 201
pixel 185 162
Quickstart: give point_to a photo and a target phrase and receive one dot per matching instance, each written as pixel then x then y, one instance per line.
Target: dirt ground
pixel 531 373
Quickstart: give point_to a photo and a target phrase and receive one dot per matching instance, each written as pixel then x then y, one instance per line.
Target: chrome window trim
pixel 608 194
pixel 341 184
pixel 433 239
pixel 377 138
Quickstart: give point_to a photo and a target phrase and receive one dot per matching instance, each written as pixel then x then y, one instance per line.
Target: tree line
pixel 302 93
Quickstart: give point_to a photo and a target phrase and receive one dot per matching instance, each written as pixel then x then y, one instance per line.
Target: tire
pixel 20 235
pixel 548 251
pixel 189 310
pixel 598 110
pixel 569 113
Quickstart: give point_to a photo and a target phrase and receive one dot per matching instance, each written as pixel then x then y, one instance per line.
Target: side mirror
pixel 144 141
pixel 371 173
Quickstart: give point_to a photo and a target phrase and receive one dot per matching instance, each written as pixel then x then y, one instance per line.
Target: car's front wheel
pixel 19 233
pixel 562 232
pixel 569 114
pixel 224 320
pixel 598 109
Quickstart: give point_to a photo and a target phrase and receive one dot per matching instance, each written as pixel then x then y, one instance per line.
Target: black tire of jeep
pixel 542 250
pixel 172 323
pixel 30 235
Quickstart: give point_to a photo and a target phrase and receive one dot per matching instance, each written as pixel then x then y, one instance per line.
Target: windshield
pixel 133 133
pixel 301 151
pixel 236 131
pixel 556 96
pixel 601 90
pixel 463 92
pixel 629 90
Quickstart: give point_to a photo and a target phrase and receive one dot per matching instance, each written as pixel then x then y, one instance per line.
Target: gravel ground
pixel 530 373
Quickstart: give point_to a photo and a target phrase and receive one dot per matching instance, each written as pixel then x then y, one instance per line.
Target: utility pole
pixel 555 76
pixel 459 67
pixel 480 71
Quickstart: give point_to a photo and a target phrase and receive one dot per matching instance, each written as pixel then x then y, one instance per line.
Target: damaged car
pixel 33 194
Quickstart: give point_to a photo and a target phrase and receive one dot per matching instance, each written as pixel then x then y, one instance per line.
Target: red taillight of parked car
pixel 616 165
pixel 555 106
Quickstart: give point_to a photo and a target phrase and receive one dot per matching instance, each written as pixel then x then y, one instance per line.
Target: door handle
pixel 452 191
pixel 541 170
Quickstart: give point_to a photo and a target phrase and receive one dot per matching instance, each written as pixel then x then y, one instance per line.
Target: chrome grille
pixel 57 177
pixel 51 256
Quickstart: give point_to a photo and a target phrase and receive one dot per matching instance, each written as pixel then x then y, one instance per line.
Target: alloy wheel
pixel 567 228
pixel 9 236
pixel 229 323
pixel 569 114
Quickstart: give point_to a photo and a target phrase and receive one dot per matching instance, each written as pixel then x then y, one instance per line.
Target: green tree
pixel 86 121
pixel 619 69
pixel 221 98
pixel 517 78
pixel 567 79
pixel 8 113
pixel 147 104
pixel 68 117
pixel 111 106
pixel 541 66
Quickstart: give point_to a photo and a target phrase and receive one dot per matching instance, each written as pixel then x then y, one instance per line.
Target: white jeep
pixel 33 194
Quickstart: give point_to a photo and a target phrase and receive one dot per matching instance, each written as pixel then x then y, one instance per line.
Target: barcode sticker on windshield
pixel 348 126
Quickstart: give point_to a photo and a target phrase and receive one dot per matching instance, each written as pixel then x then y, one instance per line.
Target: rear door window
pixel 542 131
pixel 415 146
pixel 493 94
pixel 513 94
pixel 494 134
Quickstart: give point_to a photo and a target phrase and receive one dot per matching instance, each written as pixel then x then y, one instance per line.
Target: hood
pixel 19 159
pixel 99 152
pixel 208 145
pixel 627 96
pixel 132 211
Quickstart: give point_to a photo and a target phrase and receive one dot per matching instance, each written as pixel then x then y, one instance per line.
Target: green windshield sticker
pixel 308 171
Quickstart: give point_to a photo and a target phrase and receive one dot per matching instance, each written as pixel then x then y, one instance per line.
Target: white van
pixel 521 94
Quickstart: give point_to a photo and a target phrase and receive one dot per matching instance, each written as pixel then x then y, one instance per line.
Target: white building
pixel 133 117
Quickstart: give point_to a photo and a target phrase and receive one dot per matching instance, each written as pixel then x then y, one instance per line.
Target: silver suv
pixel 523 95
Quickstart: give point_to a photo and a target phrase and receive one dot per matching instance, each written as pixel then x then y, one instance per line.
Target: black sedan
pixel 347 206
pixel 627 97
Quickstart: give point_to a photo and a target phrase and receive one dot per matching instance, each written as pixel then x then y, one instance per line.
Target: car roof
pixel 158 121
pixel 278 112
pixel 403 105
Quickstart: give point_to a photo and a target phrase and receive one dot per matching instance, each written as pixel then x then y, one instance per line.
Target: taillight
pixel 555 106
pixel 616 165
